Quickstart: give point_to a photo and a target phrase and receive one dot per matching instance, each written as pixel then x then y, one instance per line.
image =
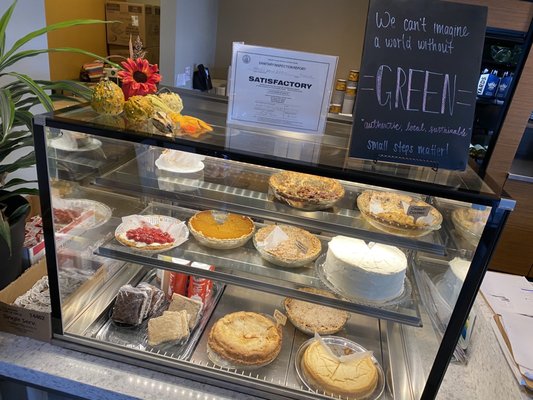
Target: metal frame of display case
pixel 500 211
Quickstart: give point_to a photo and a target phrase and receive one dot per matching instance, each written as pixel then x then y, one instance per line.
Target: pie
pixel 300 247
pixel 221 230
pixel 246 338
pixel 304 191
pixel 146 238
pixel 398 211
pixel 355 378
pixel 311 317
pixel 471 220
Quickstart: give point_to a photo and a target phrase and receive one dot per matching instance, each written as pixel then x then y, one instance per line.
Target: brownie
pixel 130 305
pixel 156 295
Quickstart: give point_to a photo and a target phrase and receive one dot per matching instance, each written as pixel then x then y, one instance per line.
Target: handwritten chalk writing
pixel 451 30
pixel 433 150
pixel 411 127
pixel 401 42
pixel 407 84
pixel 414 25
pixel 403 148
pixel 377 145
pixel 458 131
pixel 431 44
pixel 386 21
pixel 376 124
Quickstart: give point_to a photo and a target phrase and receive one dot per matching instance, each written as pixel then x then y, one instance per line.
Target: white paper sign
pixel 280 89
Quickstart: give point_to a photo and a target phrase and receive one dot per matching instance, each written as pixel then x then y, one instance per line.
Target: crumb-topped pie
pixel 398 213
pixel 245 339
pixel 287 246
pixel 221 230
pixel 310 317
pixel 304 191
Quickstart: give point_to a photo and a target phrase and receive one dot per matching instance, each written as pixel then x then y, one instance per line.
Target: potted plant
pixel 19 93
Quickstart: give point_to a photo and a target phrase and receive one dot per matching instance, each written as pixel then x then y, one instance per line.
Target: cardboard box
pixel 152 53
pixel 21 321
pixel 133 20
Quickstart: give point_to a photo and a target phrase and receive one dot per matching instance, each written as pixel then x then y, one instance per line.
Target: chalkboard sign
pixel 417 85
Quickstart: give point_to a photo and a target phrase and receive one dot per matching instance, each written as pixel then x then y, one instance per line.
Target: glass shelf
pixel 245 267
pixel 243 188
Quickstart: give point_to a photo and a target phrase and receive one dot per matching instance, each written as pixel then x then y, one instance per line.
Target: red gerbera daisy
pixel 139 77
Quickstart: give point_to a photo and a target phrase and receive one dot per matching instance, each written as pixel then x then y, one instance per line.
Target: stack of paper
pixel 511 299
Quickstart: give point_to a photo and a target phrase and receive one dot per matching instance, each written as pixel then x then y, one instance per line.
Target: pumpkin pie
pixel 354 379
pixel 245 339
pixel 221 230
pixel 304 191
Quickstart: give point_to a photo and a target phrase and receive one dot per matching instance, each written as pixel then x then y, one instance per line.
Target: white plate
pixel 61 144
pixel 178 230
pixel 102 213
pixel 160 164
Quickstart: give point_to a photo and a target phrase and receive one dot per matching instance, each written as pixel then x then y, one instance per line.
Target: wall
pixel 24 21
pixel 334 27
pixel 89 38
pixel 188 28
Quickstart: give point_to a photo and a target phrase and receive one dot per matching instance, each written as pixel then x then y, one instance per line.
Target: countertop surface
pixel 486 376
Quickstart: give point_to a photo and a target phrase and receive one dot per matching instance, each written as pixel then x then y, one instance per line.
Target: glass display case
pixel 399 252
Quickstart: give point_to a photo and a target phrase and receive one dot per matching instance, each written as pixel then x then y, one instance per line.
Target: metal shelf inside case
pixel 243 188
pixel 245 267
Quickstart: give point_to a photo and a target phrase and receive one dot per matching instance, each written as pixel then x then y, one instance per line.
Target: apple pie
pixel 304 191
pixel 246 338
pixel 397 212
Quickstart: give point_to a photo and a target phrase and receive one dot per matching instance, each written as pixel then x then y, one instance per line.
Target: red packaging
pixel 177 284
pixel 200 287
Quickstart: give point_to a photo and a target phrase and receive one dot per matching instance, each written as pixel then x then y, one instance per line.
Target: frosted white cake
pixel 453 278
pixel 373 271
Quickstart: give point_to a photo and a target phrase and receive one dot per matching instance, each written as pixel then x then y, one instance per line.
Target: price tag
pixel 418 211
pixel 280 318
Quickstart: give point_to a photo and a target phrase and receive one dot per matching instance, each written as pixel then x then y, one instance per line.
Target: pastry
pixel 310 317
pixel 192 306
pixel 64 216
pixel 169 327
pixel 397 213
pixel 287 246
pixel 156 295
pixel 373 272
pixel 146 238
pixel 130 305
pixel 355 379
pixel 221 230
pixel 246 338
pixel 470 222
pixel 304 191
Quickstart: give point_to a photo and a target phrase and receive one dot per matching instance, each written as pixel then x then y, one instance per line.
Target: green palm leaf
pixel 6 62
pixel 5 231
pixel 60 25
pixel 17 182
pixel 7 111
pixel 3 25
pixel 35 88
pixel 23 162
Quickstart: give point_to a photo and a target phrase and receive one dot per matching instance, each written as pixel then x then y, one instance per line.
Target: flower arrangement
pixel 139 77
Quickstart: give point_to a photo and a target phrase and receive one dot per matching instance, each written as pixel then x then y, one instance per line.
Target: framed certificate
pixel 280 89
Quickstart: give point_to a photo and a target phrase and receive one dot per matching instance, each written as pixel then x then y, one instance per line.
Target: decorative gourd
pixel 138 109
pixel 172 100
pixel 107 98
